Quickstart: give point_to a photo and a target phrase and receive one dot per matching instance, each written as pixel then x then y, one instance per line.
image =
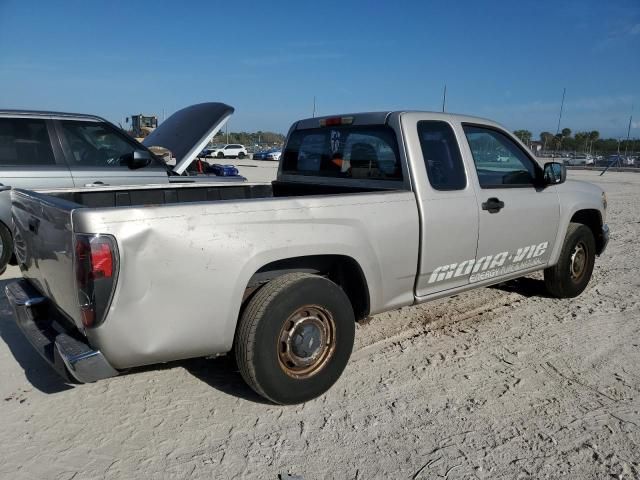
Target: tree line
pixel 249 138
pixel 583 142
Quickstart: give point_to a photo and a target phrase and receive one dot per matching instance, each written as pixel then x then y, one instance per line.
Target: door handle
pixel 493 205
pixel 96 184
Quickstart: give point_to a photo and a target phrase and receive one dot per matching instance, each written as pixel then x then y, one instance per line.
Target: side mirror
pixel 554 173
pixel 137 159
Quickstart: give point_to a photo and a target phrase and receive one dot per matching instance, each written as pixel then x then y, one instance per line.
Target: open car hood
pixel 188 131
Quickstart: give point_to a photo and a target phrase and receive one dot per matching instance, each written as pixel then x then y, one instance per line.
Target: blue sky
pixel 508 61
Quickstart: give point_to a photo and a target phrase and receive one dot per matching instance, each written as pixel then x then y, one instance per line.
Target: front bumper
pixel 61 346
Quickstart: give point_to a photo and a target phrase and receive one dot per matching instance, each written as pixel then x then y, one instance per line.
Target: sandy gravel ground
pixel 497 383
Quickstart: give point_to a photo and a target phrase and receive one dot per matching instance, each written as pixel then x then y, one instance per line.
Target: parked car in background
pixel 261 155
pixel 232 150
pixel 46 150
pixel 577 160
pixel 274 155
pixel 206 153
pixel 615 160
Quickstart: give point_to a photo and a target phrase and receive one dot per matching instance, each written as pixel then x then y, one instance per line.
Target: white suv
pixel 233 150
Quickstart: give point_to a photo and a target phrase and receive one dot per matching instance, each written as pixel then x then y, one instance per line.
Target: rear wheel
pixel 6 247
pixel 295 337
pixel 571 275
pixel 241 155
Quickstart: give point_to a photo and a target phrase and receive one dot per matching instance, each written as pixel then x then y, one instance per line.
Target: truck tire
pixel 6 247
pixel 570 276
pixel 295 337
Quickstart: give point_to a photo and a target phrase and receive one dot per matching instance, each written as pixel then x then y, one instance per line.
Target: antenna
pixel 564 91
pixel 444 97
pixel 314 107
pixel 626 145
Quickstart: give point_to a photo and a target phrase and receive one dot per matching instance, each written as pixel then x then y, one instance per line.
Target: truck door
pixel 518 221
pixel 94 151
pixel 446 203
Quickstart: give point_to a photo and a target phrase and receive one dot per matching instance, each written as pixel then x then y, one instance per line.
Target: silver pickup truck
pixel 369 212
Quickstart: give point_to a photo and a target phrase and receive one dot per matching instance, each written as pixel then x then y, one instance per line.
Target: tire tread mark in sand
pixel 574 380
pixel 443 322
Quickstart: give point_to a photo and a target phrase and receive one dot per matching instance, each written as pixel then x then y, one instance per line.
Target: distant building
pixel 536 146
pixel 143 125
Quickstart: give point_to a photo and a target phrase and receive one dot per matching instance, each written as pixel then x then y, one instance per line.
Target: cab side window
pixel 499 161
pixel 25 142
pixel 441 155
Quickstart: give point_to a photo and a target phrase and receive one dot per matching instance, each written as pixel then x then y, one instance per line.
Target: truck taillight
pixel 96 266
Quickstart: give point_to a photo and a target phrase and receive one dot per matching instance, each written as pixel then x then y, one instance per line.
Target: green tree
pixel 558 138
pixel 546 138
pixel 593 137
pixel 524 136
pixel 581 140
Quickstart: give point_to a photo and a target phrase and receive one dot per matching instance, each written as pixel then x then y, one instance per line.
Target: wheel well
pixel 592 219
pixel 340 269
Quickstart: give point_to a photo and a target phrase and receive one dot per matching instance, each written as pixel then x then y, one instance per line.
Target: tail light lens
pixel 96 266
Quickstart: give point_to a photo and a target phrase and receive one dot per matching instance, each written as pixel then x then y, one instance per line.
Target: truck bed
pixel 186 254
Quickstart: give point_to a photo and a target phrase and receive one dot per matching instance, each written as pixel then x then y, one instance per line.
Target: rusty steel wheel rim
pixel 578 264
pixel 306 341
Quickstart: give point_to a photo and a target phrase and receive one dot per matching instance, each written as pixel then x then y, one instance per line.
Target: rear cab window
pixel 367 152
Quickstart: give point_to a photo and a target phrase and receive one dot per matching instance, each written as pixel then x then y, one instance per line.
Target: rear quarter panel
pixel 184 268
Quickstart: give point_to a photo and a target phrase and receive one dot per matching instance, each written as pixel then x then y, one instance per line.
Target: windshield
pixel 362 152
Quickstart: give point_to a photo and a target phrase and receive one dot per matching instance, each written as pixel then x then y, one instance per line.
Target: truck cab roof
pixel 378 118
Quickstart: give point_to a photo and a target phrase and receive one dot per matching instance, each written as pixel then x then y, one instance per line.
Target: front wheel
pixel 220 155
pixel 571 275
pixel 295 337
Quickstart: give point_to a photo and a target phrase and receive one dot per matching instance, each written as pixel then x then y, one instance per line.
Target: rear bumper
pixel 62 347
